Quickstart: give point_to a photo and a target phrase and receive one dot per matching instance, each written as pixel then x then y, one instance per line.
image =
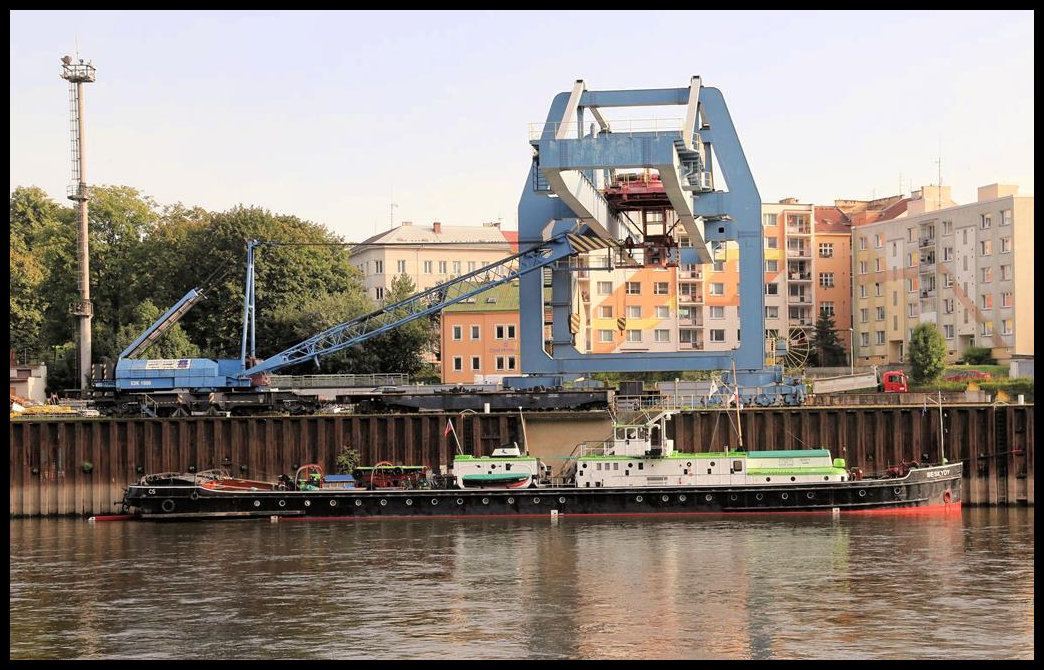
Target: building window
pixel 985 247
pixel 864 315
pixel 826 279
pixel 475 332
pixel 378 267
pixel 505 362
pixel 1005 272
pixel 718 266
pixel 634 335
pixel 458 363
pixel 717 335
pixel 987 275
pixel 378 293
pixel 772 243
pixel 879 337
pixel 717 312
pixel 471 266
pixel 862 290
pixel 605 311
pixel 911 284
pixel 911 310
pixel 442 267
pixel 1005 245
pixel 768 219
pixel 1006 326
pixel 772 288
pixel 772 266
pixel 456 267
pixel 634 311
pixel 717 288
pixel 827 307
pixel 985 221
pixel 505 332
pixel 1006 217
pixel 401 266
pixel 879 313
pixel 948 306
pixel 476 363
pixel 605 287
pixel 986 329
pixel 947 227
pixel 772 312
pixel 634 288
pixel 1007 299
pixel 862 242
pixel 879 239
pixel 663 312
pixel 877 289
pixel 427 267
pixel 947 253
pixel 862 267
pixel 605 336
pixel 947 280
pixel 662 335
pixel 826 250
pixel 986 301
pixel 457 332
pixel 864 339
pixel 661 288
pixel 948 331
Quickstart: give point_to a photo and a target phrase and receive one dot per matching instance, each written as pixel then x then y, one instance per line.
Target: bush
pixel 978 356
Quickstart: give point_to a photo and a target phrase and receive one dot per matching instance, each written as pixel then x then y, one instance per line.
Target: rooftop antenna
pixel 938 190
pixel 391 216
pixel 78 73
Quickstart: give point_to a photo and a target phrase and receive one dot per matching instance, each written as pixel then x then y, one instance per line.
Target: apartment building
pixel 967 268
pixel 429 255
pixel 479 338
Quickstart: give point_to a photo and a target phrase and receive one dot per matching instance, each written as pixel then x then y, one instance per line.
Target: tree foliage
pixel 927 353
pixel 826 349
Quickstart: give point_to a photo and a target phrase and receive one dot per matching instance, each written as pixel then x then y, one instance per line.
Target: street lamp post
pixel 851 355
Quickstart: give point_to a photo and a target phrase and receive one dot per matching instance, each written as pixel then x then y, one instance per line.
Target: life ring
pixel 194 495
pixel 167 505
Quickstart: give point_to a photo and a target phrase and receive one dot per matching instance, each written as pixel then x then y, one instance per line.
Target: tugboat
pixel 636 471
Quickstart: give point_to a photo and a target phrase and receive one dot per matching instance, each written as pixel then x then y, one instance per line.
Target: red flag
pixel 449 428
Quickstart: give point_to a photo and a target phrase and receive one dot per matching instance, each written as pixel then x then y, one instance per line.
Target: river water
pixel 951 586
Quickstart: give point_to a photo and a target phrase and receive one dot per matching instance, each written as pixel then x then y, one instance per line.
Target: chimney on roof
pixel 788 201
pixel 437 227
pixel 406 223
pixel 491 224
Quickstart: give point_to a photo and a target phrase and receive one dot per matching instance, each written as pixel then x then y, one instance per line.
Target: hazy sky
pixel 334 116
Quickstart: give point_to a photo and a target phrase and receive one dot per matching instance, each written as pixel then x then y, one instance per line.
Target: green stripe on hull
pixel 755 472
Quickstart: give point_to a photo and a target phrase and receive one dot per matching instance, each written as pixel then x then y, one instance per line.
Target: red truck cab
pixel 893 381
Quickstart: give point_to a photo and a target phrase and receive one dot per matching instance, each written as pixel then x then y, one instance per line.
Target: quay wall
pixel 80 467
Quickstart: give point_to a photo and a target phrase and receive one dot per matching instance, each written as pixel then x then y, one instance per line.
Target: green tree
pixel 402 349
pixel 826 349
pixel 927 353
pixel 173 344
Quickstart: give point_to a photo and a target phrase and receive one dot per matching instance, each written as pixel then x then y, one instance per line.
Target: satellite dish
pixel 67 59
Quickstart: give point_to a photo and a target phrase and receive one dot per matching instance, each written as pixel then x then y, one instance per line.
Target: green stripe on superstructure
pixel 674 454
pixel 755 472
pixel 790 453
pixel 499 459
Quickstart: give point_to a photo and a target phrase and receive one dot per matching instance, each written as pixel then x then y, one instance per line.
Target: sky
pixel 359 120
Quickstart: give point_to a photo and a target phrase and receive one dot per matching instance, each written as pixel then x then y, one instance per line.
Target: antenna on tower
pixel 78 73
pixel 391 216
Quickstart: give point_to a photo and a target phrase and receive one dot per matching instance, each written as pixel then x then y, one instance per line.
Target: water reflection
pixel 756 587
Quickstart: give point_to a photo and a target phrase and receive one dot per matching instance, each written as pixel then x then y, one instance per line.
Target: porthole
pixel 760 497
pixel 898 491
pixel 460 501
pixel 308 503
pixel 358 503
pixel 784 496
pixel 793 479
pixel 665 498
pixel 561 500
pixel 638 499
pixel 282 503
pixel 511 501
pixel 708 497
pixel 827 478
pixel 384 503
pixel 862 493
pixel 434 501
pixel 333 503
pixel 688 464
pixel 681 498
pixel 485 501
pixel 768 479
pixel 810 495
pixel 712 464
pixel 168 505
pixel 257 503
pixel 409 502
pixel 536 501
pixel 733 497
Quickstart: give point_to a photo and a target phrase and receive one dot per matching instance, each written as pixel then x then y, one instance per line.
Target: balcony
pixel 927 292
pixel 926 242
pixel 799 229
pixel 799 300
pixel 690 298
pixel 800 276
pixel 799 252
